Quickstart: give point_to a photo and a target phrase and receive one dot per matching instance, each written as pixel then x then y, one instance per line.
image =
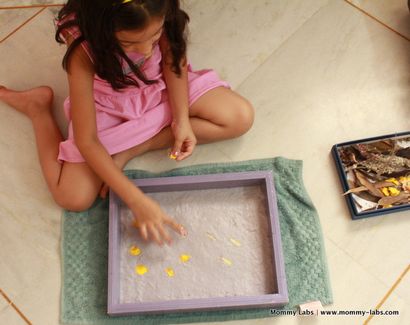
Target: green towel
pixel 85 251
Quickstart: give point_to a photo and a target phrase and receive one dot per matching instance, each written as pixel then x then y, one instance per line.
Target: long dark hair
pixel 98 20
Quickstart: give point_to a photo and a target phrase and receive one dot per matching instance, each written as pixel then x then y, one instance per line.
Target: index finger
pixel 177 227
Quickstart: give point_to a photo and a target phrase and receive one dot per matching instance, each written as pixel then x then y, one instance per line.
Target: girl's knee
pixel 78 187
pixel 244 118
pixel 77 201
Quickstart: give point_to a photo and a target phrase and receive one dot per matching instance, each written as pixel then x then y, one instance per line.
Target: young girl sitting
pixel 131 90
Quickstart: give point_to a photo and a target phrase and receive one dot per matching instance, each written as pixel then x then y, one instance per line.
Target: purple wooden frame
pixel 184 183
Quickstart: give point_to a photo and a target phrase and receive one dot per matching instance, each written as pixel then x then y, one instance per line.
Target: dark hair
pixel 98 20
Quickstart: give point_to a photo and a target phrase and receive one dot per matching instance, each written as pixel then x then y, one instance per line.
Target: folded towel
pixel 85 251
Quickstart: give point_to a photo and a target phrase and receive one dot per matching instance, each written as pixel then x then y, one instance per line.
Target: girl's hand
pixel 185 140
pixel 150 221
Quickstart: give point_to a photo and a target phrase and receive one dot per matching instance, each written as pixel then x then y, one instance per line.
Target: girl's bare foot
pixel 31 102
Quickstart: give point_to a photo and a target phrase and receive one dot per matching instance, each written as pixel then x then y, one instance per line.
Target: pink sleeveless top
pixel 133 115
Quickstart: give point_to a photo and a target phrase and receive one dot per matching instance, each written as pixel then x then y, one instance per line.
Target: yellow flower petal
pixel 170 272
pixel 141 269
pixel 134 250
pixel 393 191
pixel 393 180
pixel 226 261
pixel 235 242
pixel 185 258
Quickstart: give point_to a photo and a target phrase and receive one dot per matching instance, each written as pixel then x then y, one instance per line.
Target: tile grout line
pixel 376 19
pixel 32 6
pixel 387 295
pixel 19 27
pixel 15 307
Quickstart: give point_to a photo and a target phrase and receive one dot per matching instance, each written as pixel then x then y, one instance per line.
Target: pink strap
pixel 75 33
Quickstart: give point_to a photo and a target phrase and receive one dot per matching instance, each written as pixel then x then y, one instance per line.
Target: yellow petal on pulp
pixel 141 269
pixel 385 191
pixel 185 258
pixel 393 191
pixel 170 272
pixel 226 261
pixel 134 250
pixel 210 236
pixel 393 180
pixel 235 242
pixel 172 156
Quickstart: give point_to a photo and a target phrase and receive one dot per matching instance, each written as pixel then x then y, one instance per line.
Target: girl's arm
pixel 149 215
pixel 177 87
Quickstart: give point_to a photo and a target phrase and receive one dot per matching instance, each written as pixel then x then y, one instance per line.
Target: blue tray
pixel 355 213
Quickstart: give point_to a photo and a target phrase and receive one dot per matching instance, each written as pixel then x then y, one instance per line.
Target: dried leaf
pixel 401 198
pixel 356 190
pixel 405 152
pixel 383 184
pixel 386 164
pixel 370 186
pixel 365 195
pixel 371 176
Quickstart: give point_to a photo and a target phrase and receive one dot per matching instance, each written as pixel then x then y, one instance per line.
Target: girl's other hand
pixel 150 220
pixel 185 140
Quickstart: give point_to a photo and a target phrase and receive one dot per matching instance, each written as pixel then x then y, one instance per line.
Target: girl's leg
pixel 73 186
pixel 217 115
pixel 220 114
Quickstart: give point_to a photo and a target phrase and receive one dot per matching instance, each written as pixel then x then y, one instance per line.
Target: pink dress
pixel 133 115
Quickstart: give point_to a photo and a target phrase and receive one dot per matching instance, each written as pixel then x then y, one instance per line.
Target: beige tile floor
pixel 318 73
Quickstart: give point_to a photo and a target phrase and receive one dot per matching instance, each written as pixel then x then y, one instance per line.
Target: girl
pixel 130 91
